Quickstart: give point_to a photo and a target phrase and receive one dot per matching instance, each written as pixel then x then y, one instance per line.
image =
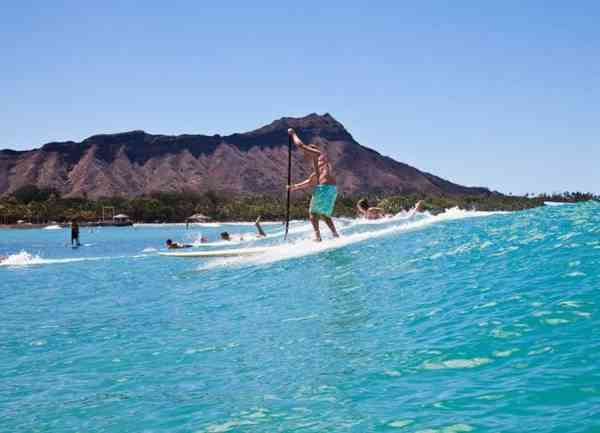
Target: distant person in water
pixel 369 212
pixel 260 233
pixel 374 213
pixel 75 233
pixel 420 206
pixel 324 183
pixel 176 245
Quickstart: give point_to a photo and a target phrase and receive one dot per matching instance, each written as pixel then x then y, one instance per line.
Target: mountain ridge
pixel 135 163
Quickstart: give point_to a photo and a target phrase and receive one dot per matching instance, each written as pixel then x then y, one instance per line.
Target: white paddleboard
pixel 218 253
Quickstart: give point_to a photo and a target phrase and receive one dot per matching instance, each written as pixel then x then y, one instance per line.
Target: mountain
pixel 136 163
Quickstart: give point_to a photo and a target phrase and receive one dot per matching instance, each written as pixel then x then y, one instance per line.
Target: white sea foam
pixel 53 227
pixel 26 259
pixel 207 224
pixel 306 246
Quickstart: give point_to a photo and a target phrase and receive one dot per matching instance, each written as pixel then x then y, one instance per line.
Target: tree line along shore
pixel 42 206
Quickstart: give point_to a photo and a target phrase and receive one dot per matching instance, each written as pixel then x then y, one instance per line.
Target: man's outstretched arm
pixel 312 180
pixel 306 147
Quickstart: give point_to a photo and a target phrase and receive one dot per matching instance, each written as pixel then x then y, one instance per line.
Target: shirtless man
pixel 323 180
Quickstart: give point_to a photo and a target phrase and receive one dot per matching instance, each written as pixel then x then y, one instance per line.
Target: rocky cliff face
pixel 136 163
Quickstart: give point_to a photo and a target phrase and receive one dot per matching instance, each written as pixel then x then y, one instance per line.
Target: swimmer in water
pixel 369 212
pixel 260 233
pixel 176 245
pixel 419 208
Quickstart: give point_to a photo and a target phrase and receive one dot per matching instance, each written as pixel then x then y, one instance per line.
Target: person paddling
pixel 176 245
pixel 324 182
pixel 260 233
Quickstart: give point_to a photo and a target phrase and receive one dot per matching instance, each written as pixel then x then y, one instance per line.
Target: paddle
pixel 289 181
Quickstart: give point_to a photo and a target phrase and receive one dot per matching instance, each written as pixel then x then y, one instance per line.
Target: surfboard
pixel 217 253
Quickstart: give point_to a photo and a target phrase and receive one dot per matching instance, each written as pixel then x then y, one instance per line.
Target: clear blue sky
pixel 501 94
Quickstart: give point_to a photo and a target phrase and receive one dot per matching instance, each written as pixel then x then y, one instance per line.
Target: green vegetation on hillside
pixel 42 205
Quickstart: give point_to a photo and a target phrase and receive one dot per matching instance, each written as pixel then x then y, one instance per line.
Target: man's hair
pixel 224 235
pixel 169 241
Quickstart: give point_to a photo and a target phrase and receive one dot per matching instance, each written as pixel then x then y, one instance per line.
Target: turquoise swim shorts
pixel 323 200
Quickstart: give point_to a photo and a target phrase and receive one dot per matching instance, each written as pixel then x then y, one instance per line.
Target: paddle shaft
pixel 289 181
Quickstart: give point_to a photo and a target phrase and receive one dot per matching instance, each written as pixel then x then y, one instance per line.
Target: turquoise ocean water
pixel 461 322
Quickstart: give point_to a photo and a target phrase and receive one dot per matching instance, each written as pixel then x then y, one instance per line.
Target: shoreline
pixel 214 209
pixel 27 226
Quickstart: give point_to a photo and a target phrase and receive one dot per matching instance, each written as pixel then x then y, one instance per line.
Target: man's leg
pixel 331 226
pixel 314 220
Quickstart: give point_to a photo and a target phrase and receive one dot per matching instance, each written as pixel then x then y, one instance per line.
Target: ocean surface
pixel 465 321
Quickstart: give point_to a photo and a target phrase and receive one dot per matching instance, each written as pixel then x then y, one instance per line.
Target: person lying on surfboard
pixel 369 212
pixel 176 245
pixel 323 180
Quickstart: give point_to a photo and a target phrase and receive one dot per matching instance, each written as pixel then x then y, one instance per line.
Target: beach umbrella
pixel 198 217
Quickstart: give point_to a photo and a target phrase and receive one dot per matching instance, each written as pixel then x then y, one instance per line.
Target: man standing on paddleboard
pixel 323 180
